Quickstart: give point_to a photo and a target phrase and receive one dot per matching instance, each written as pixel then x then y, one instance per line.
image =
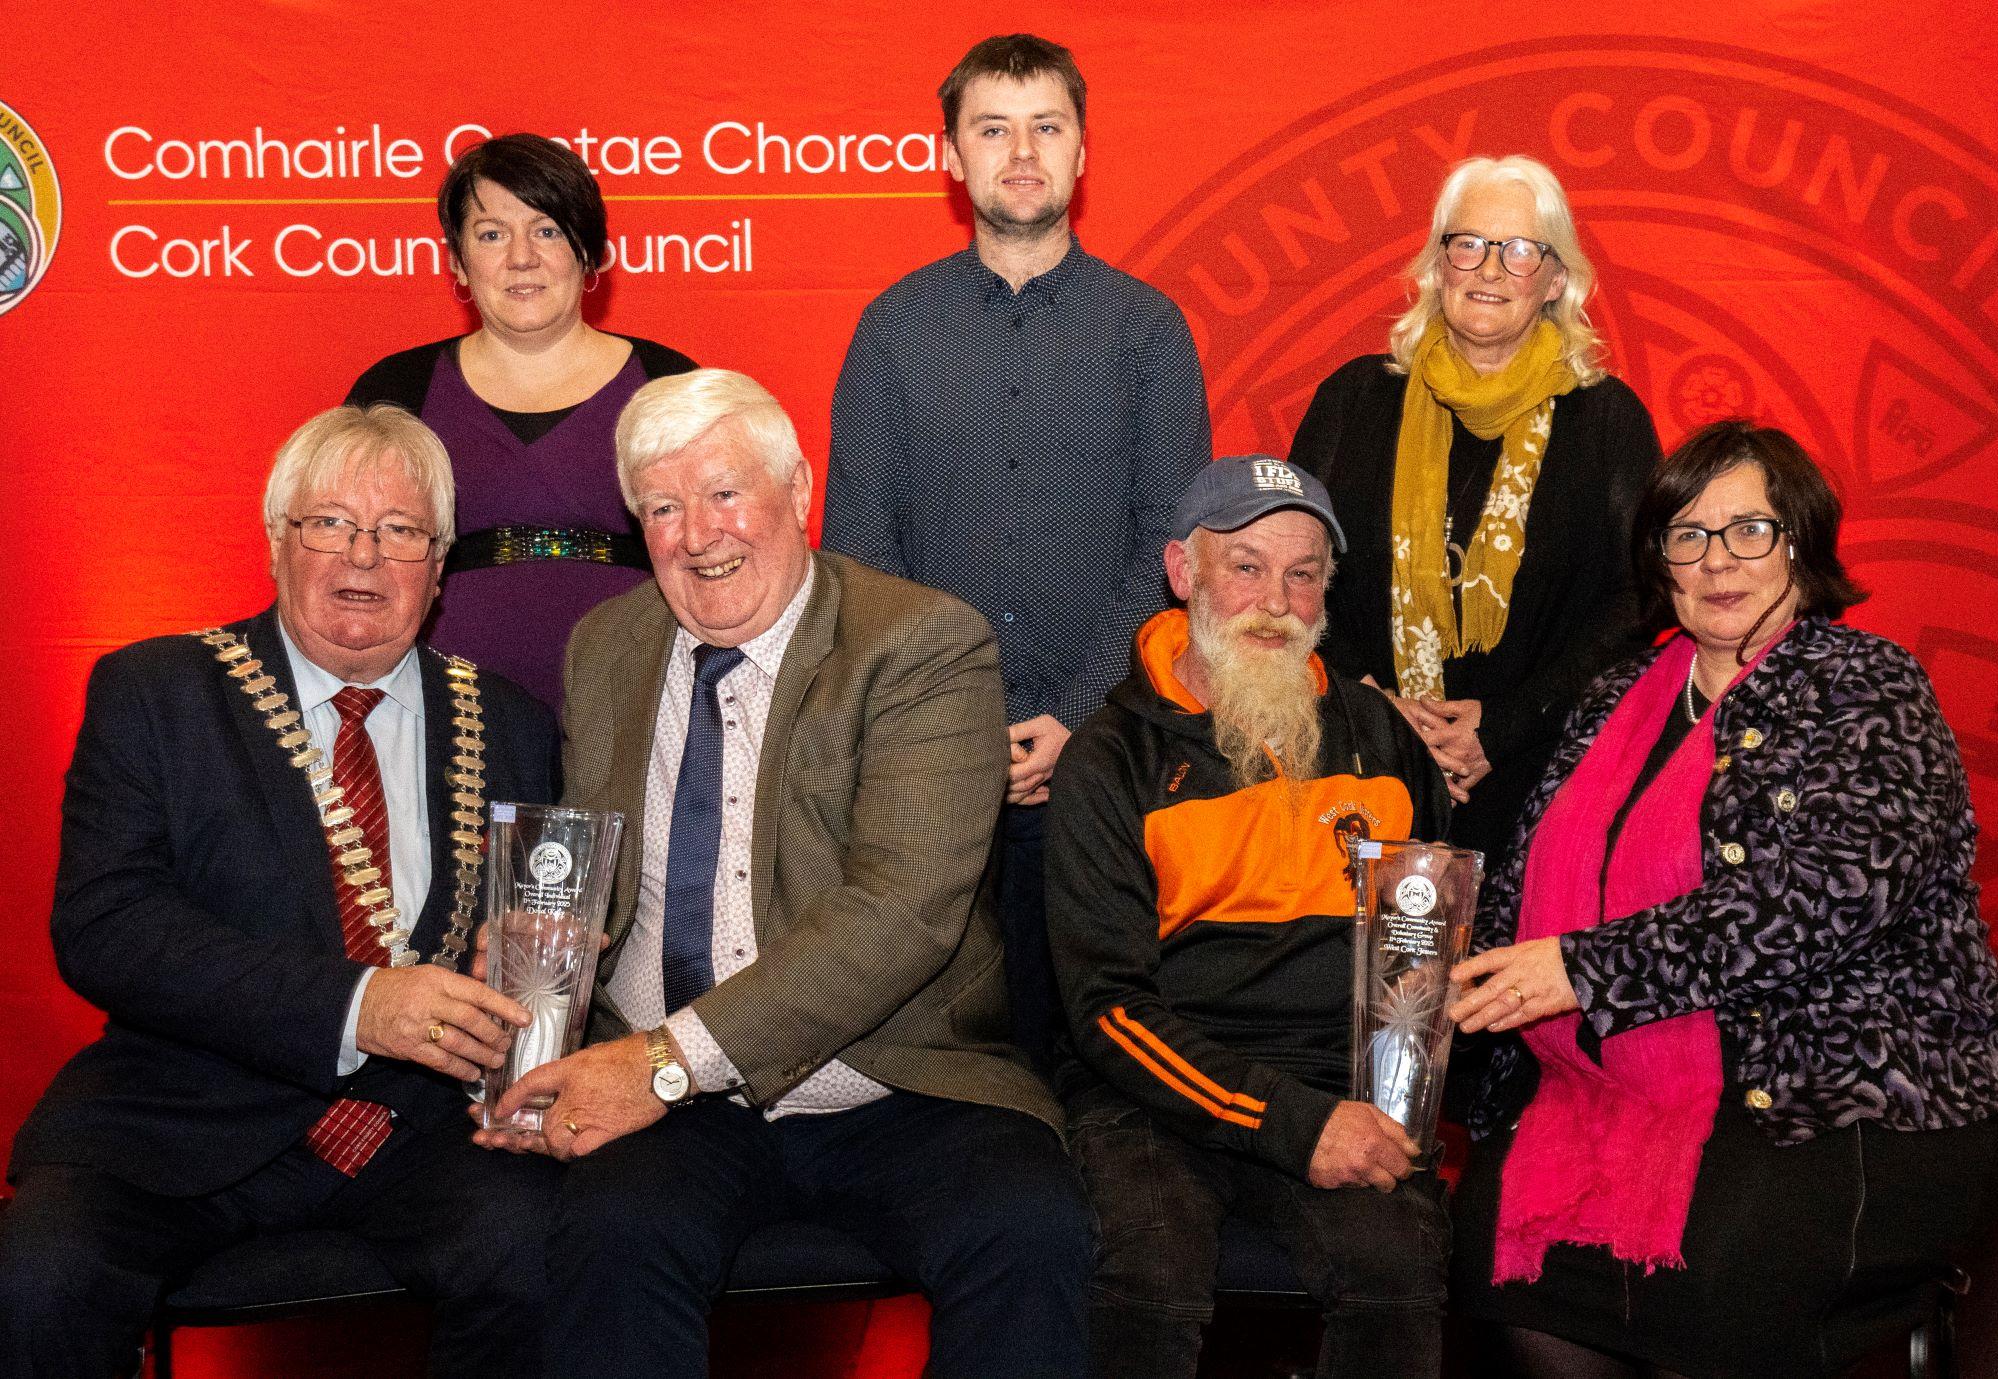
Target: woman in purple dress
pixel 526 405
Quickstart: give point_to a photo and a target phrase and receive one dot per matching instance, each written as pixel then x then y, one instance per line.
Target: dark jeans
pixel 1023 925
pixel 1375 1261
pixel 83 1255
pixel 978 1207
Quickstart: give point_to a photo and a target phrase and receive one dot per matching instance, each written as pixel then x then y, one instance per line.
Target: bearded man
pixel 1200 906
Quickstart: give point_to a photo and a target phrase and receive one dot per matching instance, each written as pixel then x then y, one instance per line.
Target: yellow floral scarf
pixel 1518 403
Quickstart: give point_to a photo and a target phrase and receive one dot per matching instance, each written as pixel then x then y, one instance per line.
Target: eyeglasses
pixel 1520 257
pixel 1749 539
pixel 335 536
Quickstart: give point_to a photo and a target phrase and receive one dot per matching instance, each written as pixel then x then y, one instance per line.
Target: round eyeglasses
pixel 335 536
pixel 1684 543
pixel 1520 257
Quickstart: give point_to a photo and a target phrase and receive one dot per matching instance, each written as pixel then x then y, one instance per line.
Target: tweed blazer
pixel 1836 936
pixel 883 769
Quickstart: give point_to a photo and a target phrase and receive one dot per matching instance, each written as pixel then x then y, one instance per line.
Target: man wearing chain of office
pixel 270 855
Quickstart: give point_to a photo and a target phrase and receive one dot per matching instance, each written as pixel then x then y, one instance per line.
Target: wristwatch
pixel 670 1082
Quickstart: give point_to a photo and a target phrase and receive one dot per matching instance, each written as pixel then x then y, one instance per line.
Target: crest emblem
pixel 30 209
pixel 550 864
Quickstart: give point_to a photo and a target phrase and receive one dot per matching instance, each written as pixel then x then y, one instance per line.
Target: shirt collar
pixel 994 288
pixel 766 650
pixel 316 684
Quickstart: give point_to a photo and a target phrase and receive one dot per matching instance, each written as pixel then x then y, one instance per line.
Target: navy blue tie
pixel 687 938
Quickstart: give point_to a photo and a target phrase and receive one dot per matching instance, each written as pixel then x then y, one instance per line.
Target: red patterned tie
pixel 350 1132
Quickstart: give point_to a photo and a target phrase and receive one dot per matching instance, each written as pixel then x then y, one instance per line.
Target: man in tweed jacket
pixel 802 1009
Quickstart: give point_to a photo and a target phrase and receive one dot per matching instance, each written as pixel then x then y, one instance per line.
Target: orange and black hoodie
pixel 1202 932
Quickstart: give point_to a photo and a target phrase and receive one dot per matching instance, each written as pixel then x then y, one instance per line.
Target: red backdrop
pixel 1793 207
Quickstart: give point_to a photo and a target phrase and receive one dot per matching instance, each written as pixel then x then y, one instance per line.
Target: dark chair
pixel 297 1272
pixel 1932 1344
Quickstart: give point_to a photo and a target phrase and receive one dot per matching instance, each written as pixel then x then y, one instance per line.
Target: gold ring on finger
pixel 1518 998
pixel 434 1033
pixel 572 1127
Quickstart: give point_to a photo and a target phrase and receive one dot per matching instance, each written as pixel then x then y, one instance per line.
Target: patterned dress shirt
pixel 745 694
pixel 1022 451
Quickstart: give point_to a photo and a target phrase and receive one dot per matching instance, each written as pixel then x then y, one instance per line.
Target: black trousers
pixel 1374 1261
pixel 978 1207
pixel 83 1254
pixel 1800 1259
pixel 1023 925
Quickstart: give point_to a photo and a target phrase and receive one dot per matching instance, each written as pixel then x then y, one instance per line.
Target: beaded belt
pixel 481 550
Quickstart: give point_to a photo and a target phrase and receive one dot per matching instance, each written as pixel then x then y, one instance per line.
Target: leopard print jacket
pixel 1836 937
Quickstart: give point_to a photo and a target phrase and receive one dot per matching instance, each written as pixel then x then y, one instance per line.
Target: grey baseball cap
pixel 1235 490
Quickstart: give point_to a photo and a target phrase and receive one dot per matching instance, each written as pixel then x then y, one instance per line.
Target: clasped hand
pixel 1035 746
pixel 1449 729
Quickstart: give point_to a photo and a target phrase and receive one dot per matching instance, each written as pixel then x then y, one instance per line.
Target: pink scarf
pixel 1606 1155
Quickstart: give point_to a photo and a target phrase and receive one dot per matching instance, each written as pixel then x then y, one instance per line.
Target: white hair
pixel 669 414
pixel 346 439
pixel 1581 346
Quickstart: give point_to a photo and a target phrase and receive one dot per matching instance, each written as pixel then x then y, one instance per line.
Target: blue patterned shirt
pixel 1023 452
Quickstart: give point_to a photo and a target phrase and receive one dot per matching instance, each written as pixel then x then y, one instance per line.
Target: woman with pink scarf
pixel 1740 1112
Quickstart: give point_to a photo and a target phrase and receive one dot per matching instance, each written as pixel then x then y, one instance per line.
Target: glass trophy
pixel 548 882
pixel 1412 924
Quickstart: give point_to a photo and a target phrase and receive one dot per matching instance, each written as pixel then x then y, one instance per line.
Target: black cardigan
pixel 1574 603
pixel 404 378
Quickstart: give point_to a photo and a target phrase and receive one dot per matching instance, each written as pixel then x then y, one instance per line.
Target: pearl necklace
pixel 1691 717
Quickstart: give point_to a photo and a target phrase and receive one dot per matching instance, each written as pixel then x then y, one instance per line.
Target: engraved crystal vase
pixel 548 881
pixel 1412 924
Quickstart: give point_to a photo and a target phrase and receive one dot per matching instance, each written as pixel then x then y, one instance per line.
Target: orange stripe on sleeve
pixel 1194 1095
pixel 1184 1068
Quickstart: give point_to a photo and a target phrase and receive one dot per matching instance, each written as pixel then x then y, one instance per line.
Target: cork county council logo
pixel 30 209
pixel 1771 238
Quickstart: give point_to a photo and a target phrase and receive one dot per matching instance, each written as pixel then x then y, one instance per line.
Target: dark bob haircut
pixel 1017 57
pixel 544 175
pixel 1798 495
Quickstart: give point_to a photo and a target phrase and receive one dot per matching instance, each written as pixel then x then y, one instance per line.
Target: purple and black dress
pixel 543 534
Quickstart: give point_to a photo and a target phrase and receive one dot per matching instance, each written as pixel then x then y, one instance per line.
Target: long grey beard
pixel 1264 702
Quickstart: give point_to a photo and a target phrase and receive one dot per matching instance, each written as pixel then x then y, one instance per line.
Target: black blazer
pixel 194 905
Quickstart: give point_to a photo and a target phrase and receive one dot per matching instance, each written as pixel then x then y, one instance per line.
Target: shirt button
pixel 1721 763
pixel 731 723
pixel 741 876
pixel 738 952
pixel 731 799
pixel 1018 321
pixel 1751 737
pixel 1755 1014
pixel 1786 799
pixel 1759 1100
pixel 1015 390
pixel 1734 854
pixel 1012 464
pixel 1008 617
